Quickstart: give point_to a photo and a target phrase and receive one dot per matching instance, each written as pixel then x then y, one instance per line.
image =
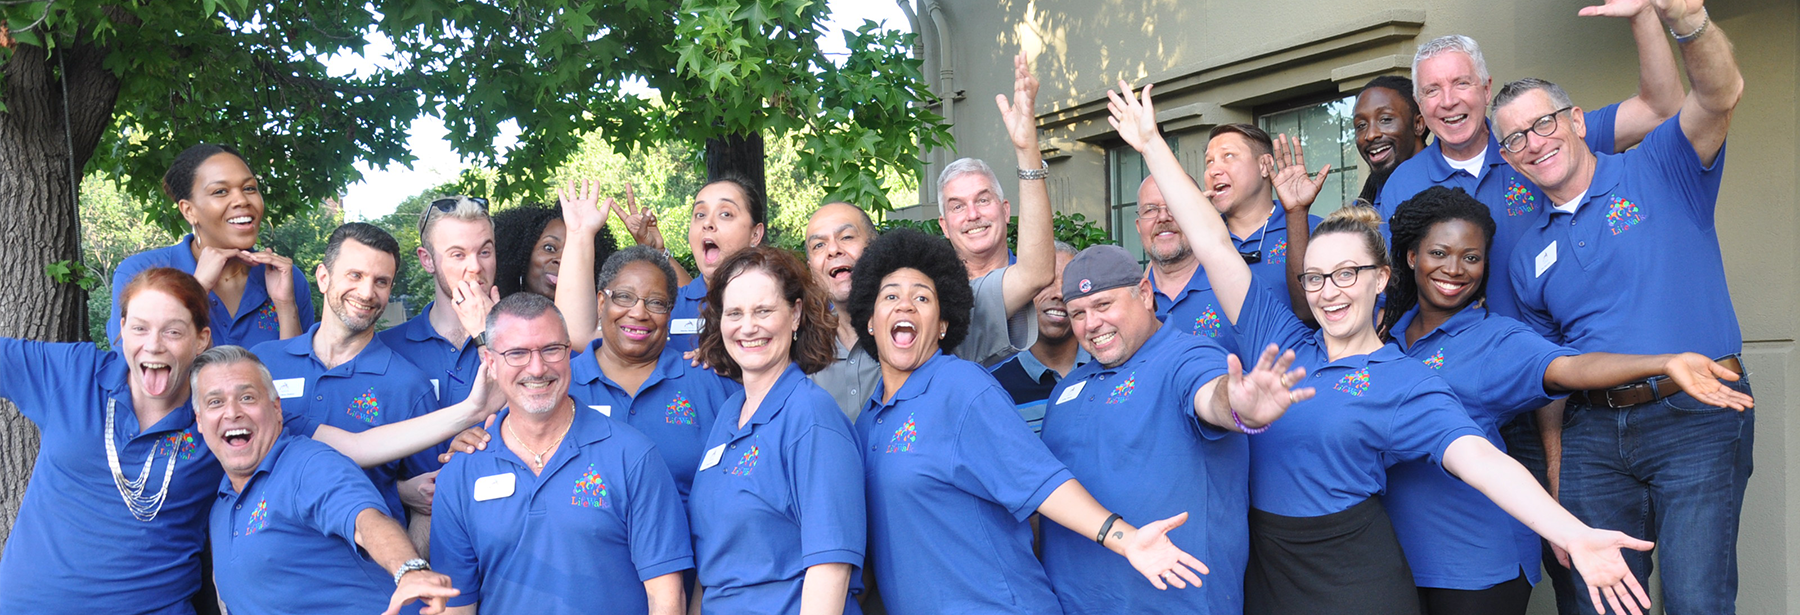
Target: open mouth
pixel 977 228
pixel 903 334
pixel 1103 340
pixel 536 384
pixel 236 438
pixel 1056 314
pixel 840 272
pixel 753 344
pixel 710 252
pixel 551 278
pixel 635 333
pixel 1546 157
pixel 1336 313
pixel 242 222
pixel 1378 152
pixel 1449 289
pixel 156 377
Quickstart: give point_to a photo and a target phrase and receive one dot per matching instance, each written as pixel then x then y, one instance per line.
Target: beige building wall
pixel 1218 61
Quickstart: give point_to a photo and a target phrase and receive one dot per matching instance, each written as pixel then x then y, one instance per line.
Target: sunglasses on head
pixel 448 204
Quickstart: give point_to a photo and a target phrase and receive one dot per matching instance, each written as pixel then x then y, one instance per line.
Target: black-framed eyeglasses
pixel 1543 127
pixel 1343 278
pixel 626 299
pixel 521 357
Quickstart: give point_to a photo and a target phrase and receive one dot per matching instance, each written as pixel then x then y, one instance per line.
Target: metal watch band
pixel 1031 174
pixel 409 566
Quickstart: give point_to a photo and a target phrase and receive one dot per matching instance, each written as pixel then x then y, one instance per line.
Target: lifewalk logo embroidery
pixel 1435 361
pixel 267 319
pixel 1623 215
pixel 259 518
pixel 1520 199
pixel 1208 323
pixel 1278 254
pixel 1355 383
pixel 365 408
pixel 904 437
pixel 1123 391
pixel 590 490
pixel 181 445
pixel 747 464
pixel 680 411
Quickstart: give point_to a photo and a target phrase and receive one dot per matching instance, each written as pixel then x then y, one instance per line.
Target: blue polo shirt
pixel 581 537
pixel 1196 308
pixel 675 406
pixel 1029 382
pixel 374 388
pixel 255 321
pixel 1451 533
pixel 1637 268
pixel 684 321
pixel 778 495
pixel 1129 434
pixel 287 543
pixel 452 369
pixel 952 475
pixel 1514 201
pixel 1370 411
pixel 1271 244
pixel 74 533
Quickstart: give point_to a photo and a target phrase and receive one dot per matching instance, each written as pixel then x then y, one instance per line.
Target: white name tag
pixel 606 410
pixel 289 388
pixel 684 326
pixel 1545 259
pixel 712 457
pixel 1072 392
pixel 494 487
pixel 434 388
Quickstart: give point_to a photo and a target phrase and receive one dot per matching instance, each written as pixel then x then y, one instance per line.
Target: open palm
pixel 1263 394
pixel 1133 115
pixel 1296 188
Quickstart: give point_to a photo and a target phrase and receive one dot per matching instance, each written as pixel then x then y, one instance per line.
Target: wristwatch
pixel 480 339
pixel 409 566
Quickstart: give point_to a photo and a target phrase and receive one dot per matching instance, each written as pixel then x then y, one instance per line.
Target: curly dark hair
pixel 516 232
pixel 815 344
pixel 906 248
pixel 1412 221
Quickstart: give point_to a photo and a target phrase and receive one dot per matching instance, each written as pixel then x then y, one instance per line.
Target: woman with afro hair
pixel 952 472
pixel 1500 369
pixel 530 240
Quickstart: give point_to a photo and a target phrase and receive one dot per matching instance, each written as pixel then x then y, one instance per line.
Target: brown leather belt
pixel 1644 392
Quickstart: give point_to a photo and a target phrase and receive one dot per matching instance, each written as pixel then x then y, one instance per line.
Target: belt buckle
pixel 1608 395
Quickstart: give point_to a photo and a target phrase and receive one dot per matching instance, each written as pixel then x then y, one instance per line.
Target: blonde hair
pixel 1358 220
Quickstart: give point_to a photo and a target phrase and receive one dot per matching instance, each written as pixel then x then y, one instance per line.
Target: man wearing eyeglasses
pixel 456 246
pixel 574 510
pixel 1627 260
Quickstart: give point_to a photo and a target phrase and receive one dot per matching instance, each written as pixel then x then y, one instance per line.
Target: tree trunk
pixel 41 140
pixel 742 154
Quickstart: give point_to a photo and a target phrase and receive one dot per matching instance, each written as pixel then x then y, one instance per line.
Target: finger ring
pixel 1291 397
pixel 459 301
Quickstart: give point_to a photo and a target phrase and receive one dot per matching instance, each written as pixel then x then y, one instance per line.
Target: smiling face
pixel 1553 162
pixel 1113 324
pixel 238 415
pixel 546 259
pixel 539 386
pixel 974 216
pixel 636 333
pixel 1343 312
pixel 721 225
pixel 460 250
pixel 1449 264
pixel 906 320
pixel 226 205
pixel 757 322
pixel 1453 97
pixel 1237 173
pixel 357 285
pixel 1052 313
pixel 1387 130
pixel 1159 234
pixel 835 238
pixel 159 341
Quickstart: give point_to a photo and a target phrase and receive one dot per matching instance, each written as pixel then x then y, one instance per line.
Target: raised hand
pixel 211 265
pixel 485 393
pixel 582 211
pixel 1132 115
pixel 1700 377
pixel 1263 395
pixel 1293 185
pixel 1595 554
pixel 1021 122
pixel 425 586
pixel 640 222
pixel 1157 558
pixel 1673 13
pixel 278 274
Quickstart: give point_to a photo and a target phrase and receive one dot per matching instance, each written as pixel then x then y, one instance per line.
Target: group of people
pixel 1279 414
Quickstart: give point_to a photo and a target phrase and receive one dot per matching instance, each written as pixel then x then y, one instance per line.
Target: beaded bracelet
pixel 1246 428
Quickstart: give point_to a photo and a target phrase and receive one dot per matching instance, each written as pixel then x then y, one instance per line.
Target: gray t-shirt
pixel 994 336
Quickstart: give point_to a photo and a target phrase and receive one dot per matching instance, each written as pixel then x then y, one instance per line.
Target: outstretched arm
pixel 1659 94
pixel 1712 68
pixel 385 443
pixel 576 298
pixel 1148 548
pixel 388 545
pixel 1595 552
pixel 1297 191
pixel 1037 252
pixel 1134 117
pixel 1697 375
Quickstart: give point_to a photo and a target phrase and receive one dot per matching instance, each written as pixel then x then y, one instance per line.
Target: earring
pixel 940 335
pixel 796 335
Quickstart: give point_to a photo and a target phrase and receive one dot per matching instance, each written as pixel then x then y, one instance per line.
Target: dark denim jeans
pixel 1672 472
pixel 1525 446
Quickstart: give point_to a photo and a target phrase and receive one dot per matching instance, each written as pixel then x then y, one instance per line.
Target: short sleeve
pixel 995 336
pixel 1678 170
pixel 1194 367
pixel 332 491
pixel 828 490
pixel 424 401
pixel 40 374
pixel 1267 319
pixel 297 424
pixel 1602 131
pixel 452 549
pixel 121 278
pixel 1000 460
pixel 303 302
pixel 1424 424
pixel 659 528
pixel 1527 355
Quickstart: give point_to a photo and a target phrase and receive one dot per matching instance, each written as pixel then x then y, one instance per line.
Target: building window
pixel 1327 134
pixel 1125 171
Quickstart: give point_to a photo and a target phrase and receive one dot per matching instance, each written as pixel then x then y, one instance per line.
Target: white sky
pixel 381 191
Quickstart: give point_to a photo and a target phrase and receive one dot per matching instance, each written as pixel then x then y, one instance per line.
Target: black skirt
pixel 1345 563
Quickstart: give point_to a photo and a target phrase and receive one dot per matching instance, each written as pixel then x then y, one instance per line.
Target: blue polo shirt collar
pixel 1277 222
pixel 114 378
pixel 1459 322
pixel 1441 171
pixel 1196 283
pixel 419 328
pixel 916 383
pixel 1387 352
pixel 1162 337
pixel 1035 368
pixel 267 465
pixel 588 371
pixel 373 359
pixel 586 429
pixel 695 290
pixel 774 401
pixel 1607 175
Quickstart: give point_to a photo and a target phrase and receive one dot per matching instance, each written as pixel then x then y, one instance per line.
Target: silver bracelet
pixel 1705 21
pixel 1035 173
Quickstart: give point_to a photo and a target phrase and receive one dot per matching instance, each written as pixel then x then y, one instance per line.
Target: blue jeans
pixel 1672 472
pixel 1525 446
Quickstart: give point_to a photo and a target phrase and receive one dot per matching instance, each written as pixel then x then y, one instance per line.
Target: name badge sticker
pixel 1545 259
pixel 684 326
pixel 434 388
pixel 606 410
pixel 712 457
pixel 494 487
pixel 289 388
pixel 1072 392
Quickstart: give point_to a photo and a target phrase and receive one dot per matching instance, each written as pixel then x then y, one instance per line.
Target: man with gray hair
pixel 1626 259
